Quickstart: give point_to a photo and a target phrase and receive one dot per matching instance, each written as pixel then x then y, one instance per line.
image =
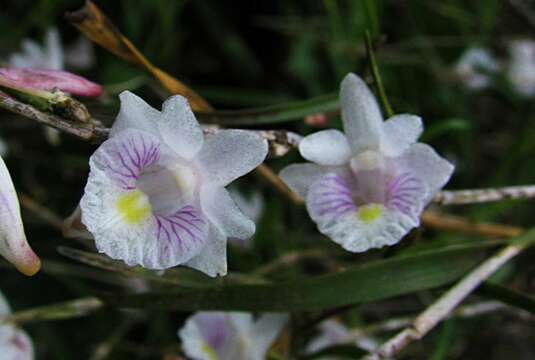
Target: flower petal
pixel 231 154
pixel 266 330
pixel 212 260
pixel 179 128
pixel 124 156
pixel 54 50
pixel 15 344
pixel 207 335
pixel 299 177
pixel 422 160
pixel 401 131
pixel 406 193
pixel 48 80
pixel 225 214
pixel 327 147
pixel 13 244
pixel 360 114
pixel 356 229
pixel 137 114
pixel 331 333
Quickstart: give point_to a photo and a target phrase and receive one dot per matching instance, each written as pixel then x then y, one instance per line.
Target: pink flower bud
pixel 48 80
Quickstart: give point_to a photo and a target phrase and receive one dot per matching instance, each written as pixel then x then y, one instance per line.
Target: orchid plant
pixel 156 192
pixel 367 188
pixel 230 336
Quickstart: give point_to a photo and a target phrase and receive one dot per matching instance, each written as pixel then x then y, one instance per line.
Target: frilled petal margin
pixel 330 203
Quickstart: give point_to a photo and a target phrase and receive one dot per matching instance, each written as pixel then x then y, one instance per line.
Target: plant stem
pixel 443 307
pixel 474 196
pixel 377 76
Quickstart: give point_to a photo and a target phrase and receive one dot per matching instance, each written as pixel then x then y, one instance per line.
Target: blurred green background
pixel 242 54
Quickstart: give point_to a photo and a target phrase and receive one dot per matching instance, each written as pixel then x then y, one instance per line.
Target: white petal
pixel 361 115
pixel 401 131
pixel 225 214
pixel 212 259
pixel 330 205
pixel 179 128
pixel 54 50
pixel 266 330
pixel 231 154
pixel 13 244
pixel 422 161
pixel 299 177
pixel 5 309
pixel 207 335
pixel 15 344
pixel 252 206
pixel 135 113
pixel 328 147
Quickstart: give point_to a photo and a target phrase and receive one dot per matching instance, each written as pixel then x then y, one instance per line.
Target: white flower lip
pixel 367 188
pixel 13 244
pixel 521 69
pixel 230 335
pixel 156 193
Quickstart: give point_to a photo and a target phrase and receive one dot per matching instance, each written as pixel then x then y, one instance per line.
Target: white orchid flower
pixel 13 244
pixel 366 188
pixel 475 67
pixel 33 55
pixel 521 70
pixel 230 336
pixel 155 196
pixel 15 344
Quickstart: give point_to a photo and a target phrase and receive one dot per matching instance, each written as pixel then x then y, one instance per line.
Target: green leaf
pixel 373 281
pixel 507 296
pixel 272 114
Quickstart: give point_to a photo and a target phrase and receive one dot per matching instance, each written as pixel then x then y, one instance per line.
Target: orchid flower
pixel 474 68
pixel 366 188
pixel 33 55
pixel 52 56
pixel 521 70
pixel 230 336
pixel 13 244
pixel 155 195
pixel 15 344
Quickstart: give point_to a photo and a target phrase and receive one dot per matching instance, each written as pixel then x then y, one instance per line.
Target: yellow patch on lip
pixel 209 351
pixel 134 207
pixel 370 213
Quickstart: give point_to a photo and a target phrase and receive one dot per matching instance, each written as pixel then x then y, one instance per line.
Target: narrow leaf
pixel 360 284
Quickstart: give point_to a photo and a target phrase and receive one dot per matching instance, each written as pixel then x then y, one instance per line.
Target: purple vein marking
pixel 178 229
pixel 125 159
pixel 404 193
pixel 332 196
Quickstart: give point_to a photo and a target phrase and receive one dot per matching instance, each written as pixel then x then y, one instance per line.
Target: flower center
pixel 134 207
pixel 168 188
pixel 367 160
pixel 370 213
